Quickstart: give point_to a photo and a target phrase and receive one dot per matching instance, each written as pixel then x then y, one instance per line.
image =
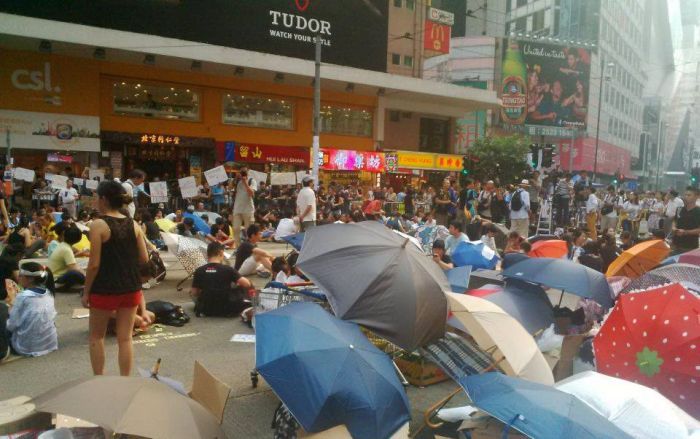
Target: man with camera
pixel 243 204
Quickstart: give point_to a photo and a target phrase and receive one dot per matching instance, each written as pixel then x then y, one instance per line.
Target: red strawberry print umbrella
pixel 652 338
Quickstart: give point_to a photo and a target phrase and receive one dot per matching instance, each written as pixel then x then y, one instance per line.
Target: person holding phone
pixel 243 203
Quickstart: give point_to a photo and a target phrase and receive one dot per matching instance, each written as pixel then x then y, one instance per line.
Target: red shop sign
pixel 286 155
pixel 349 160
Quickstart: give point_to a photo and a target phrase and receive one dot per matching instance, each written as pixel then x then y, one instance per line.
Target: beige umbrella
pixel 136 406
pixel 496 332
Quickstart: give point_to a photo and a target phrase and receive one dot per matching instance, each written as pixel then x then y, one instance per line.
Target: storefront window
pixel 258 111
pixel 346 121
pixel 132 98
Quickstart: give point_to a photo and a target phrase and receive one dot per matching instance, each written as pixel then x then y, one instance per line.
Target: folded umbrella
pixel 638 410
pixel 496 332
pixel 639 259
pixel 537 410
pixel 564 275
pixel 327 372
pixel 476 254
pixel 651 337
pixel 526 303
pixel 377 279
pixel 296 240
pixel 553 248
pixel 135 406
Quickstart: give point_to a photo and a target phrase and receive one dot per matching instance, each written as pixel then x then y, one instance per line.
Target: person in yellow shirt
pixel 62 261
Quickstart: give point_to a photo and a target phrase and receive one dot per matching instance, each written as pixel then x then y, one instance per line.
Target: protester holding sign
pixel 69 199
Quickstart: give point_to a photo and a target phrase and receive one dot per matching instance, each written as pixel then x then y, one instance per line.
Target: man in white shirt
pixel 520 210
pixel 69 197
pixel 456 236
pixel 136 179
pixel 306 204
pixel 243 204
pixel 592 204
pixel 674 203
pixel 612 203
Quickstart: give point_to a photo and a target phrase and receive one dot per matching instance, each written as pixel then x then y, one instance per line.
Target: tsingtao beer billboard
pixel 354 32
pixel 545 87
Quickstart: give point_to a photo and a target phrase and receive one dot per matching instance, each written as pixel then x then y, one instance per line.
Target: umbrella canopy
pixel 136 406
pixel 651 338
pixel 211 215
pixel 526 303
pixel 296 240
pixel 165 225
pixel 686 274
pixel 476 254
pixel 692 257
pixel 378 279
pixel 459 278
pixel 479 278
pixel 618 283
pixel 501 335
pixel 553 248
pixel 191 252
pixel 413 239
pixel 639 259
pixel 638 410
pixel 536 410
pixel 328 373
pixel 564 275
pixel 537 238
pixel 510 259
pixel 199 223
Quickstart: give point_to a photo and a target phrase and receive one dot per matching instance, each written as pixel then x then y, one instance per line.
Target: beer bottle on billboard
pixel 514 90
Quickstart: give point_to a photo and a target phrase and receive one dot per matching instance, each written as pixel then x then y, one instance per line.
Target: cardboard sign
pixel 282 178
pixel 24 174
pixel 188 187
pixel 158 189
pixel 258 176
pixel 216 175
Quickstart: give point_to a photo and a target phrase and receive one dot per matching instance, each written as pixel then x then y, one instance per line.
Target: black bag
pixel 154 268
pixel 516 202
pixel 167 313
pixel 606 209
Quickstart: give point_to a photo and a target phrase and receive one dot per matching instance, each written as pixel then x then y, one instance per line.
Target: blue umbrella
pixel 459 278
pixel 328 373
pixel 296 240
pixel 199 223
pixel 476 254
pixel 510 259
pixel 536 410
pixel 564 275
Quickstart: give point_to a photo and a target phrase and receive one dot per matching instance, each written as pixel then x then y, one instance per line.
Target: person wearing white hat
pixel 520 210
pixel 306 204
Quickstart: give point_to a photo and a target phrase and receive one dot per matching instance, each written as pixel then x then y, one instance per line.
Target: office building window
pixel 520 3
pixel 159 101
pixel 395 59
pixel 410 4
pixel 257 111
pixel 397 3
pixel 347 121
pixel 434 134
pixel 538 21
pixel 408 61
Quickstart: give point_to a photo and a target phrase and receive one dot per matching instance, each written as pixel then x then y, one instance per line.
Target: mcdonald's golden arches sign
pixel 437 37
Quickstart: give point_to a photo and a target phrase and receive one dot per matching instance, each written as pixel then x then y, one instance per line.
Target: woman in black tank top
pixel 112 283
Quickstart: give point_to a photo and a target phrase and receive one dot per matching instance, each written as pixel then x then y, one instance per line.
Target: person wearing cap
pixel 31 317
pixel 306 204
pixel 520 211
pixel 440 257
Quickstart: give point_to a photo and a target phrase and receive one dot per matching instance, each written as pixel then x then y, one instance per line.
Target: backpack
pixel 167 313
pixel 516 202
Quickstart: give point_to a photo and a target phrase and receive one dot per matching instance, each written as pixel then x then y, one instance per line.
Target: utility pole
pixel 571 151
pixel 597 127
pixel 317 114
pixel 658 147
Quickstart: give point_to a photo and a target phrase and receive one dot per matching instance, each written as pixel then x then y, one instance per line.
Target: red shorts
pixel 112 302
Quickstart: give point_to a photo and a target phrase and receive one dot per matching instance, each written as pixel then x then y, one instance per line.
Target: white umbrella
pixel 635 409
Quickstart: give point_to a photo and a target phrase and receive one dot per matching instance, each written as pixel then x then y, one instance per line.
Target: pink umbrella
pixel 691 257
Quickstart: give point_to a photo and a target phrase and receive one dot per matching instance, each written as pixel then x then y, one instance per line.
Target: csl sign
pixel 25 79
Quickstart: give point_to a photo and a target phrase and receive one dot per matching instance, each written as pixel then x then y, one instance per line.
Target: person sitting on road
pixel 62 259
pixel 489 236
pixel 151 230
pixel 23 235
pixel 251 259
pixel 514 241
pixel 186 228
pixel 626 240
pixel 217 288
pixel 280 269
pixel 296 277
pixel 32 313
pixel 440 257
pixel 218 234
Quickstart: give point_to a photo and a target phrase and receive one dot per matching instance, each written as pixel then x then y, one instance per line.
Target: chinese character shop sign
pixel 286 155
pixel 348 160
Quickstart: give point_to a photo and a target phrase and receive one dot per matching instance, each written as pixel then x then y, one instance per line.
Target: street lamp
pixel 600 105
pixel 658 148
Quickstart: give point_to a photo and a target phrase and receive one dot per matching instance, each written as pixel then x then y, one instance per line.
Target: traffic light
pixel 695 177
pixel 535 155
pixel 548 156
pixel 465 165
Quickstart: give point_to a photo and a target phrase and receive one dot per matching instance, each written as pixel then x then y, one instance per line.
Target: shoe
pixel 146 286
pixel 264 274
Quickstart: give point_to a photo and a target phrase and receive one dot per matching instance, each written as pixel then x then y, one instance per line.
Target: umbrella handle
pixel 156 369
pixel 493 365
pixel 432 410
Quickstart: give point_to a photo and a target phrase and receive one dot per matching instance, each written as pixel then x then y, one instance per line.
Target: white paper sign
pixel 48 176
pixel 24 174
pixel 99 173
pixel 301 175
pixel 243 338
pixel 282 178
pixel 188 187
pixel 216 175
pixel 78 182
pixel 258 176
pixel 158 189
pixel 91 184
pixel 59 181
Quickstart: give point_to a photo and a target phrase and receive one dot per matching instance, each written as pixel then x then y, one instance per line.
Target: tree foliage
pixel 501 159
